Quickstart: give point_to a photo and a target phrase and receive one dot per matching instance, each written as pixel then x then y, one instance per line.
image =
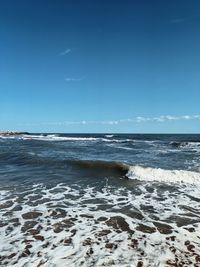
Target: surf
pixel 137 172
pixel 163 175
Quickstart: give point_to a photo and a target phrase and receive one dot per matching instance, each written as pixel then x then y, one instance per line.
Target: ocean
pixel 127 200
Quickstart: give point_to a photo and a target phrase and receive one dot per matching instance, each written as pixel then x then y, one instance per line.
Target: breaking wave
pixel 102 168
pixel 162 175
pixel 112 168
pixel 195 145
pixel 54 137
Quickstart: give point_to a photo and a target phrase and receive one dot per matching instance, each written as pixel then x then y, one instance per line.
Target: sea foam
pixel 162 175
pixel 67 232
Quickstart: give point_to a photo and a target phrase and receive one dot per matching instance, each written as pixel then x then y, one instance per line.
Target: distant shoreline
pixel 13 132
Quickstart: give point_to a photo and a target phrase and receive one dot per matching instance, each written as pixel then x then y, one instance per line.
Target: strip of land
pixel 12 132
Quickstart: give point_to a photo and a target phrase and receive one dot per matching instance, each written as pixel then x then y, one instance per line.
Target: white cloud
pixel 67 51
pixel 73 79
pixel 139 119
pixel 164 118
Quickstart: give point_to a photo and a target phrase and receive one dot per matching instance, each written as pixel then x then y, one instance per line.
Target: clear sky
pixel 100 65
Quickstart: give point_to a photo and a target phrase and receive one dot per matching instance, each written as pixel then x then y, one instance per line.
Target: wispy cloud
pixel 67 51
pixel 139 119
pixel 177 20
pixel 165 118
pixel 74 79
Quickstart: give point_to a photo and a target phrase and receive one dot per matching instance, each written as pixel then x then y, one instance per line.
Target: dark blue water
pixel 52 157
pixel 130 180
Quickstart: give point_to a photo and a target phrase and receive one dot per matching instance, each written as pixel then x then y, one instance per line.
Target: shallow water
pixel 100 200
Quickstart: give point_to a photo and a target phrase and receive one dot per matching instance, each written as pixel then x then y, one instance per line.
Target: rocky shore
pixel 13 132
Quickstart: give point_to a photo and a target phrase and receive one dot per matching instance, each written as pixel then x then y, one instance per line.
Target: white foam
pixel 69 138
pixel 162 175
pixel 54 137
pixel 194 146
pixel 57 138
pixel 3 194
pixel 7 137
pixel 155 247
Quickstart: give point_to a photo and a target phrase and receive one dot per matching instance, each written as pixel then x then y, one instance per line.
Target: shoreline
pixel 13 132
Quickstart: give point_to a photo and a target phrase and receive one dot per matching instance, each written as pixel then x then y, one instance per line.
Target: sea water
pixel 99 200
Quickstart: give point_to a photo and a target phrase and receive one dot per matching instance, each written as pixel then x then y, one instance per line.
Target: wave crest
pixel 119 169
pixel 162 175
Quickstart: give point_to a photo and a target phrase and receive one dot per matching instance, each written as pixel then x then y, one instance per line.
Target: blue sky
pixel 100 66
